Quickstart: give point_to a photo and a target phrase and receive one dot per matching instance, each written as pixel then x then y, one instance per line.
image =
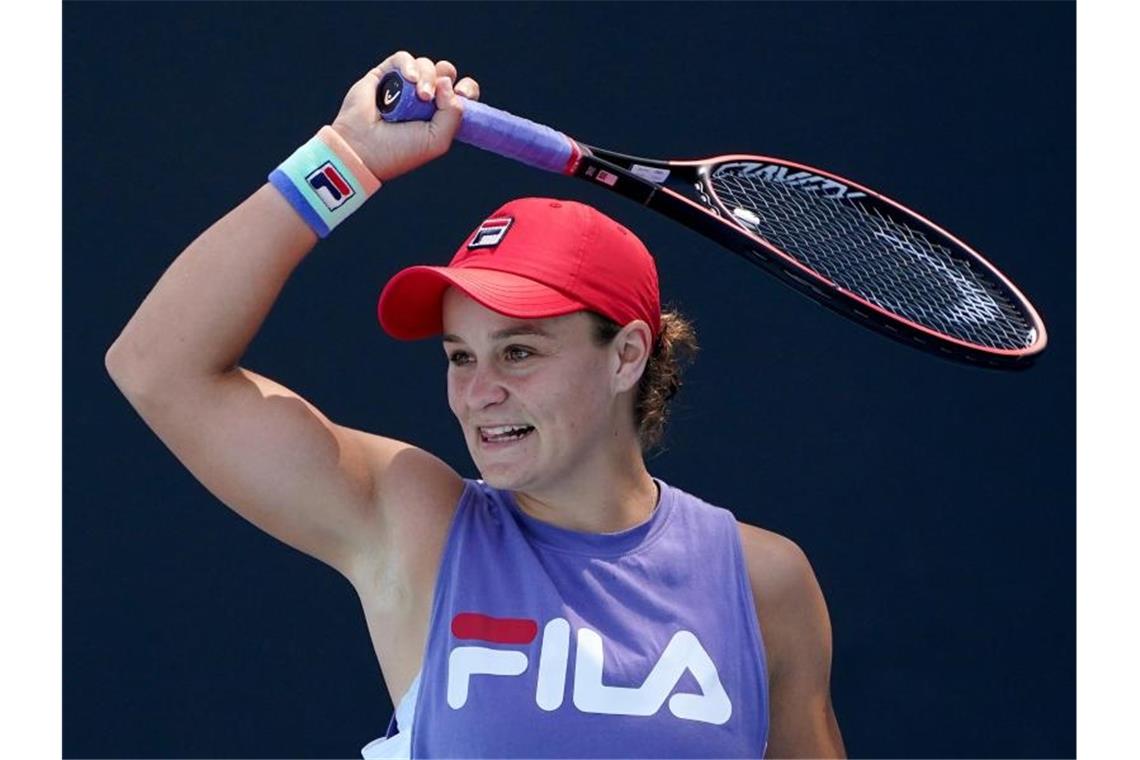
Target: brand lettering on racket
pixel 684 652
pixel 803 180
pixel 330 186
pixel 491 232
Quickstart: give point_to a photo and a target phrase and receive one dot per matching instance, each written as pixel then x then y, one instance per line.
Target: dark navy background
pixel 936 501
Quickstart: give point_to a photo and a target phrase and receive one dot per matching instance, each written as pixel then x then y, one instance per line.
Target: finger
pixel 445 97
pixel 446 69
pixel 400 60
pixel 449 113
pixel 425 79
pixel 468 88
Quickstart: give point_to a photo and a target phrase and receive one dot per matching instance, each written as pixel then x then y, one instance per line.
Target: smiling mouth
pixel 504 433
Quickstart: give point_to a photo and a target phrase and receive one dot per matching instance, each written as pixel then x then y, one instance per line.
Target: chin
pixel 504 475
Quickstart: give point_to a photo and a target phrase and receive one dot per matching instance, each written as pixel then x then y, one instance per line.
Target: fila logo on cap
pixel 491 232
pixel 330 185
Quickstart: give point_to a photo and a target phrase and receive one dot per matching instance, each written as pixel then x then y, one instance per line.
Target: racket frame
pixel 615 171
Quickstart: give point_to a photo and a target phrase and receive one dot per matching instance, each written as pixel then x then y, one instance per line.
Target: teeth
pixel 503 429
pixel 504 432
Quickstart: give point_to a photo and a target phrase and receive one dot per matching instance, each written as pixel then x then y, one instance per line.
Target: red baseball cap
pixel 532 258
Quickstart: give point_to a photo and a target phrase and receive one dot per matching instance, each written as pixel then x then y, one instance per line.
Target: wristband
pixel 324 181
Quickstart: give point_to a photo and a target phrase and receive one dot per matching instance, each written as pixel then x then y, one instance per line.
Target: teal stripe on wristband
pixel 319 184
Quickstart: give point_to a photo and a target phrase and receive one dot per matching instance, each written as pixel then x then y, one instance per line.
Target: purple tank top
pixel 549 642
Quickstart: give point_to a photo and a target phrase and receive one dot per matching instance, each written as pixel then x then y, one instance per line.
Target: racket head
pixel 853 250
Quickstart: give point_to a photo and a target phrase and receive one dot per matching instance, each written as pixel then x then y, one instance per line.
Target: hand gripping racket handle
pixel 484 127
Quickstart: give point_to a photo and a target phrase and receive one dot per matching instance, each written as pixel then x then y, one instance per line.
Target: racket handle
pixel 484 127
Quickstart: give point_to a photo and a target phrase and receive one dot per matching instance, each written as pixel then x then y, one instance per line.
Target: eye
pixel 458 358
pixel 518 353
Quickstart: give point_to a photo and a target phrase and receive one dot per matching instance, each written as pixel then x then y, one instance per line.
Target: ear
pixel 631 348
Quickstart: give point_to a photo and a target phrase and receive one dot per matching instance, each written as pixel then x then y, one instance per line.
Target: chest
pixel 637 660
pixel 573 693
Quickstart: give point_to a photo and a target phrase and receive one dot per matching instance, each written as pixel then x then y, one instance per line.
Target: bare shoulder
pixel 789 602
pixel 777 566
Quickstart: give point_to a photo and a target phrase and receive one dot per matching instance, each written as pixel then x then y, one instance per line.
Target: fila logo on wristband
pixel 684 653
pixel 491 232
pixel 324 181
pixel 330 186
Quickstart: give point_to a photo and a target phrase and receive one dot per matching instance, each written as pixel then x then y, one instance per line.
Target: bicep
pixel 277 461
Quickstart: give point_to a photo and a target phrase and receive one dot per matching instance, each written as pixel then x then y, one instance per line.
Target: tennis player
pixel 566 604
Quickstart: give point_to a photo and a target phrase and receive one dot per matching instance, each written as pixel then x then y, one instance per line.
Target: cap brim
pixel 411 304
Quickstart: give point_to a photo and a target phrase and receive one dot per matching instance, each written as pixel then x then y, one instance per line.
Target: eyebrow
pixel 509 332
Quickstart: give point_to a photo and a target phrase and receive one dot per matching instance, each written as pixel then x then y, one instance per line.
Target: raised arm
pixel 267 453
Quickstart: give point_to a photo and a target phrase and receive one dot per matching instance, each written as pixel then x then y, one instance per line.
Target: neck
pixel 611 493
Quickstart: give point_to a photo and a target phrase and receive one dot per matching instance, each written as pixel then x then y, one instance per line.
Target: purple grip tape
pixel 483 126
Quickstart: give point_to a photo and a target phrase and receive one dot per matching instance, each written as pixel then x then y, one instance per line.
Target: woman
pixel 566 604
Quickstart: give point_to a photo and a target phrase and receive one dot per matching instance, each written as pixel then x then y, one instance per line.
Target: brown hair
pixel 674 349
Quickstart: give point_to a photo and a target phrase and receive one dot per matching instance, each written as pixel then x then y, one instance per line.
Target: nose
pixel 484 387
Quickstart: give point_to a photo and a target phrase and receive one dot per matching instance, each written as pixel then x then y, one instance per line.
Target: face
pixel 544 374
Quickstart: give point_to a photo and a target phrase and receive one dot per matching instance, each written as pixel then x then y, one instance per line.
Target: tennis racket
pixel 840 243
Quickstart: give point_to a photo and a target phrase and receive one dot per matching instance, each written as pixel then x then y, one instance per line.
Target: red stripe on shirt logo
pixel 472 625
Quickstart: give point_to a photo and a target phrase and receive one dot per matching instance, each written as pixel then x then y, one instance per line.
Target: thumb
pixel 449 110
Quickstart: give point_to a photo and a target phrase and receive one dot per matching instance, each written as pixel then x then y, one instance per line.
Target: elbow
pixel 149 381
pixel 115 361
pixel 112 360
pixel 127 369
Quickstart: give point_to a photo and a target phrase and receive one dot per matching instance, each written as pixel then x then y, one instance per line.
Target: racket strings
pixel 887 263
